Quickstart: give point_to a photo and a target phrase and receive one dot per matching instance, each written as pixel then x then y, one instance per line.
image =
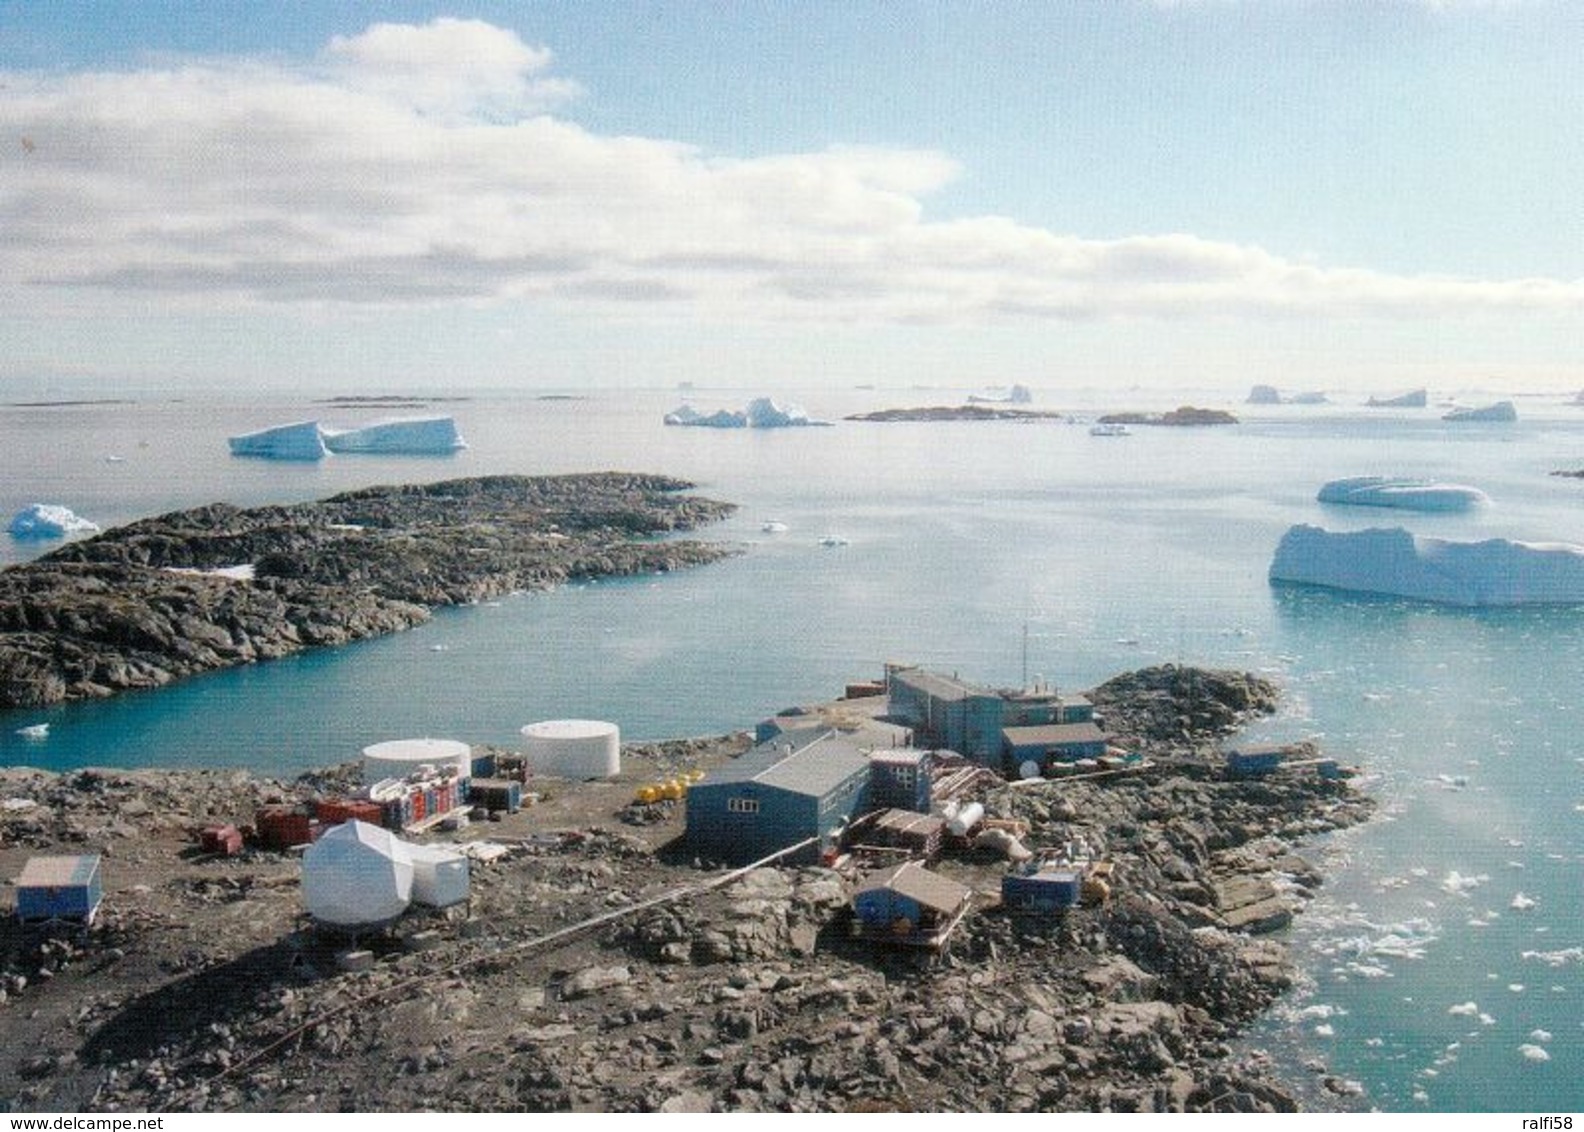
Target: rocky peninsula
pixel 203 988
pixel 216 586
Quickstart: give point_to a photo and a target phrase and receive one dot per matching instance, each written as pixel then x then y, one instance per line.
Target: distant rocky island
pixel 164 598
pixel 1183 416
pixel 975 411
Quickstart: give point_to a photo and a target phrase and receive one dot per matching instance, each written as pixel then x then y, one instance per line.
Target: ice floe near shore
pixel 1393 562
pixel 49 520
pixel 308 440
pixel 1407 494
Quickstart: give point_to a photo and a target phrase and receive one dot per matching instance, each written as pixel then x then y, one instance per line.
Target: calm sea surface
pixel 1445 957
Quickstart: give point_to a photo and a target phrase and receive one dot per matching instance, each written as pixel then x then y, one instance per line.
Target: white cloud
pixel 418 165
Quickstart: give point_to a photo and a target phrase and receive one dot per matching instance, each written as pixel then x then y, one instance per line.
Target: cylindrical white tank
pixel 573 748
pixel 398 758
pixel 961 823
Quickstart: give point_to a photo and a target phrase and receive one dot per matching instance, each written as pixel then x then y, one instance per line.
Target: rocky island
pixel 216 586
pixel 598 967
pixel 975 411
pixel 1183 416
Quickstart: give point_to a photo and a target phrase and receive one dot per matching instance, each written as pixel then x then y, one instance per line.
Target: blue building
pixel 971 719
pixel 798 785
pixel 60 888
pixel 1055 742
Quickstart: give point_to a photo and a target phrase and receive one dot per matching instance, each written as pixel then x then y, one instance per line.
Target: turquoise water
pixel 1445 956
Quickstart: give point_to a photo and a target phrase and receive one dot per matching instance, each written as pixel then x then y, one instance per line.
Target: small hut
pixel 910 905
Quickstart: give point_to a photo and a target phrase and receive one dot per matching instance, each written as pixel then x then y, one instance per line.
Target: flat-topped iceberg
pixel 1413 399
pixel 49 520
pixel 1501 411
pixel 406 435
pixel 300 440
pixel 761 412
pixel 1392 561
pixel 1408 494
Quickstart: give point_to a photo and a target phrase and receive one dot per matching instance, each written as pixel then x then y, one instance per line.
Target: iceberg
pixel 761 412
pixel 49 520
pixel 1502 411
pixel 1408 494
pixel 300 440
pixel 1414 399
pixel 688 415
pixel 765 413
pixel 407 435
pixel 1392 561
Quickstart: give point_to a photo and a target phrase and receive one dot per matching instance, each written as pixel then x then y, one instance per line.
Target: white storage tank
pixel 398 758
pixel 573 748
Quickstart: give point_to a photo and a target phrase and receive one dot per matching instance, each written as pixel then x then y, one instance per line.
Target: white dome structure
pixel 398 758
pixel 357 875
pixel 573 748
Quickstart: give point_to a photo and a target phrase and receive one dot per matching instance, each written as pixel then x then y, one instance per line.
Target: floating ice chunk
pixel 1407 494
pixel 1522 903
pixel 1501 411
pixel 1325 1030
pixel 1464 1009
pixel 1486 1019
pixel 1457 884
pixel 1540 1035
pixel 403 436
pixel 300 440
pixel 1556 958
pixel 1392 561
pixel 34 731
pixel 49 520
pixel 1534 1052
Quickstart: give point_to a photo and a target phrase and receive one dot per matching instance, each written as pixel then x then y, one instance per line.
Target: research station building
pixel 798 785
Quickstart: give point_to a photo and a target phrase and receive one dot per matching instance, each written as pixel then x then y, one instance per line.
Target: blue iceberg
pixel 1408 494
pixel 405 435
pixel 300 440
pixel 49 520
pixel 1393 562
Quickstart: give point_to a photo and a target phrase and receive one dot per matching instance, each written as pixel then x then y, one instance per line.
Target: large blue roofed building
pixel 798 785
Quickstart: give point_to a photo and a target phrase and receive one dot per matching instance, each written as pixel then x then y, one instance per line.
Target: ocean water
pixel 1444 958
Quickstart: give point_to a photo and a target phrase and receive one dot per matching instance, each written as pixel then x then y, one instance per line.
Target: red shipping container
pixel 282 828
pixel 332 811
pixel 418 812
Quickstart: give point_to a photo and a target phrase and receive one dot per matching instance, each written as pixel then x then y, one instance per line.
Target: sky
pixel 327 198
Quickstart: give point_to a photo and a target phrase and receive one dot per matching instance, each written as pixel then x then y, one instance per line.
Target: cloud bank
pixel 426 165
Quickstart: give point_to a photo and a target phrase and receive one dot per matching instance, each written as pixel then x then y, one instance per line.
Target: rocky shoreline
pixel 217 586
pixel 202 987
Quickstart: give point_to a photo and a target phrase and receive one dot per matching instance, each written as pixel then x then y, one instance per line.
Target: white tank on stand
pixel 573 748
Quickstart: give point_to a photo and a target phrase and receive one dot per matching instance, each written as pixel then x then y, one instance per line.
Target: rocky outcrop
pixel 974 411
pixel 1183 416
pixel 145 604
pixel 1173 705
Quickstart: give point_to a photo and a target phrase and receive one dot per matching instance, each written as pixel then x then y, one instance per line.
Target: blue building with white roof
pixel 797 785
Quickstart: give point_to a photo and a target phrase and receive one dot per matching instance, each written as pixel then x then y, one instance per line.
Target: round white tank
pixel 400 757
pixel 573 748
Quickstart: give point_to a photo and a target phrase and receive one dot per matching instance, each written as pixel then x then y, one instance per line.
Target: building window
pixel 903 776
pixel 742 805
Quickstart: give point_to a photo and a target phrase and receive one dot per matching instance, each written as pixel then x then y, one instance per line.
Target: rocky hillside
pixel 139 606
